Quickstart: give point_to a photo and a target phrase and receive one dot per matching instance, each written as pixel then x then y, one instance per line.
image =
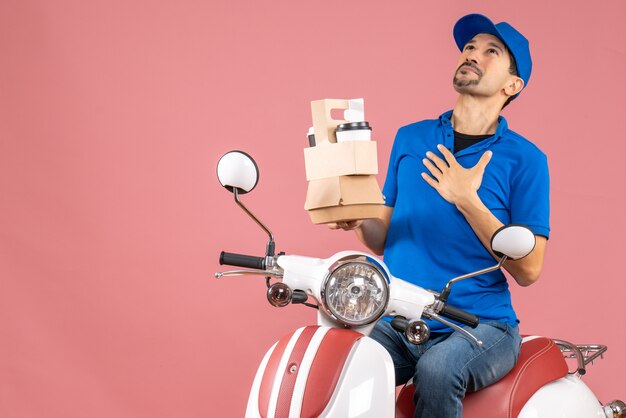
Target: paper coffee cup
pixel 354 131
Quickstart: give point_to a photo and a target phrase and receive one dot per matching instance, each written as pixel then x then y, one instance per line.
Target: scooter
pixel 333 369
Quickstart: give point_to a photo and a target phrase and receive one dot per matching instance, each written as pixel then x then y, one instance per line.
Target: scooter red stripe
pixel 326 369
pixel 291 372
pixel 267 383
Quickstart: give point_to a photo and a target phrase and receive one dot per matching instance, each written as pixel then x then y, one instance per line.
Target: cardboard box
pixel 343 198
pixel 340 159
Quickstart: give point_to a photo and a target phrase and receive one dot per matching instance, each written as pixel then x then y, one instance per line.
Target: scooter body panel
pixel 252 409
pixel 364 388
pixel 568 397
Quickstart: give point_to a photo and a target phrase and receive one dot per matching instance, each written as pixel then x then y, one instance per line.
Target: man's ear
pixel 514 86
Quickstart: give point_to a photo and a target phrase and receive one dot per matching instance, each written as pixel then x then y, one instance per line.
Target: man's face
pixel 483 67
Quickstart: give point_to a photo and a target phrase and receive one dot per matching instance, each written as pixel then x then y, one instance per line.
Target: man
pixel 451 183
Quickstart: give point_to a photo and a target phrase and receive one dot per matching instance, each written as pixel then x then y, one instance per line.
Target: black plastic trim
pixel 353 126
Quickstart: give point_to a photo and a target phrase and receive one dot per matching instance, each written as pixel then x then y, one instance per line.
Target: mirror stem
pixel 446 290
pixel 269 251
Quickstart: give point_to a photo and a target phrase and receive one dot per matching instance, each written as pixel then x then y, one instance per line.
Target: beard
pixel 459 83
pixel 462 83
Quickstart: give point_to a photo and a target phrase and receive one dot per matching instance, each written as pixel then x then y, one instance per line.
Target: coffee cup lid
pixel 353 126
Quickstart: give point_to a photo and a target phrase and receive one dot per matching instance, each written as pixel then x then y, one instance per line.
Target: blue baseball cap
pixel 471 25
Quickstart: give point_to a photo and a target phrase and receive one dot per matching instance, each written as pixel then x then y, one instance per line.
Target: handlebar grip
pixel 242 260
pixel 399 323
pixel 460 315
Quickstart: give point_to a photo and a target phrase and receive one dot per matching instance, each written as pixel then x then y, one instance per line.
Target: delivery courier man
pixel 451 183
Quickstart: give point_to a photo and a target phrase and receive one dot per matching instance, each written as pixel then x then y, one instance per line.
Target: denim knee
pixel 433 377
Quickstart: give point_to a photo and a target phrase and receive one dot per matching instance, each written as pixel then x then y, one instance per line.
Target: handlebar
pixel 242 260
pixel 459 315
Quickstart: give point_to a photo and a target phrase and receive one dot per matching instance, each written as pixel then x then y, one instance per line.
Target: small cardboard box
pixel 340 159
pixel 342 198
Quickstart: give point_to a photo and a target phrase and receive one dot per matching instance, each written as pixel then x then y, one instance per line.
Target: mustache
pixel 471 65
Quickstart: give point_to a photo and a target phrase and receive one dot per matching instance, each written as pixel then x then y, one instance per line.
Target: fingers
pixel 484 160
pixel 439 163
pixel 350 225
pixel 451 160
pixel 431 181
pixel 446 154
pixel 346 225
pixel 434 171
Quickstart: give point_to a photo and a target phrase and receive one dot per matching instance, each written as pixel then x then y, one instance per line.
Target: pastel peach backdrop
pixel 114 114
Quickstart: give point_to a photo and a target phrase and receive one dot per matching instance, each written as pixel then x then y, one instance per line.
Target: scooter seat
pixel 539 363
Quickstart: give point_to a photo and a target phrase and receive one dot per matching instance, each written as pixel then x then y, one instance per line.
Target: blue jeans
pixel 450 364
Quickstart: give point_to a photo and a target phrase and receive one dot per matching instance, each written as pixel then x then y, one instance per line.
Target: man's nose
pixel 472 56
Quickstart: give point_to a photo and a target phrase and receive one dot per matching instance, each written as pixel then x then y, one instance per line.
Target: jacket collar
pixel 448 135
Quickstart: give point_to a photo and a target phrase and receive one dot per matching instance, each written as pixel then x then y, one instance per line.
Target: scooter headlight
pixel 356 291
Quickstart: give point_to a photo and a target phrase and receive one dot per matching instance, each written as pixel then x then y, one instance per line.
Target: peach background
pixel 112 118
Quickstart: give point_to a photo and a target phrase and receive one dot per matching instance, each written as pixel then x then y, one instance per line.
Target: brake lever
pixel 430 314
pixel 263 273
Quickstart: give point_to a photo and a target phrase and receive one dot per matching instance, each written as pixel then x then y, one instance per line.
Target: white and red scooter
pixel 333 369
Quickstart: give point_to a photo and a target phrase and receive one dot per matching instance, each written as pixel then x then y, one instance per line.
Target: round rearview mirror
pixel 237 170
pixel 514 241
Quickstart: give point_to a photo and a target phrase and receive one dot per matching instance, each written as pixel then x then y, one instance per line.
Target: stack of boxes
pixel 341 174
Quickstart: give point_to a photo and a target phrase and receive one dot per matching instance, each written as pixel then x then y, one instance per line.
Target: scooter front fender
pixel 324 372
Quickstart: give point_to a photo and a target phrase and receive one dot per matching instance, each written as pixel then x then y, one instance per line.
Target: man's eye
pixel 492 51
pixel 468 47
